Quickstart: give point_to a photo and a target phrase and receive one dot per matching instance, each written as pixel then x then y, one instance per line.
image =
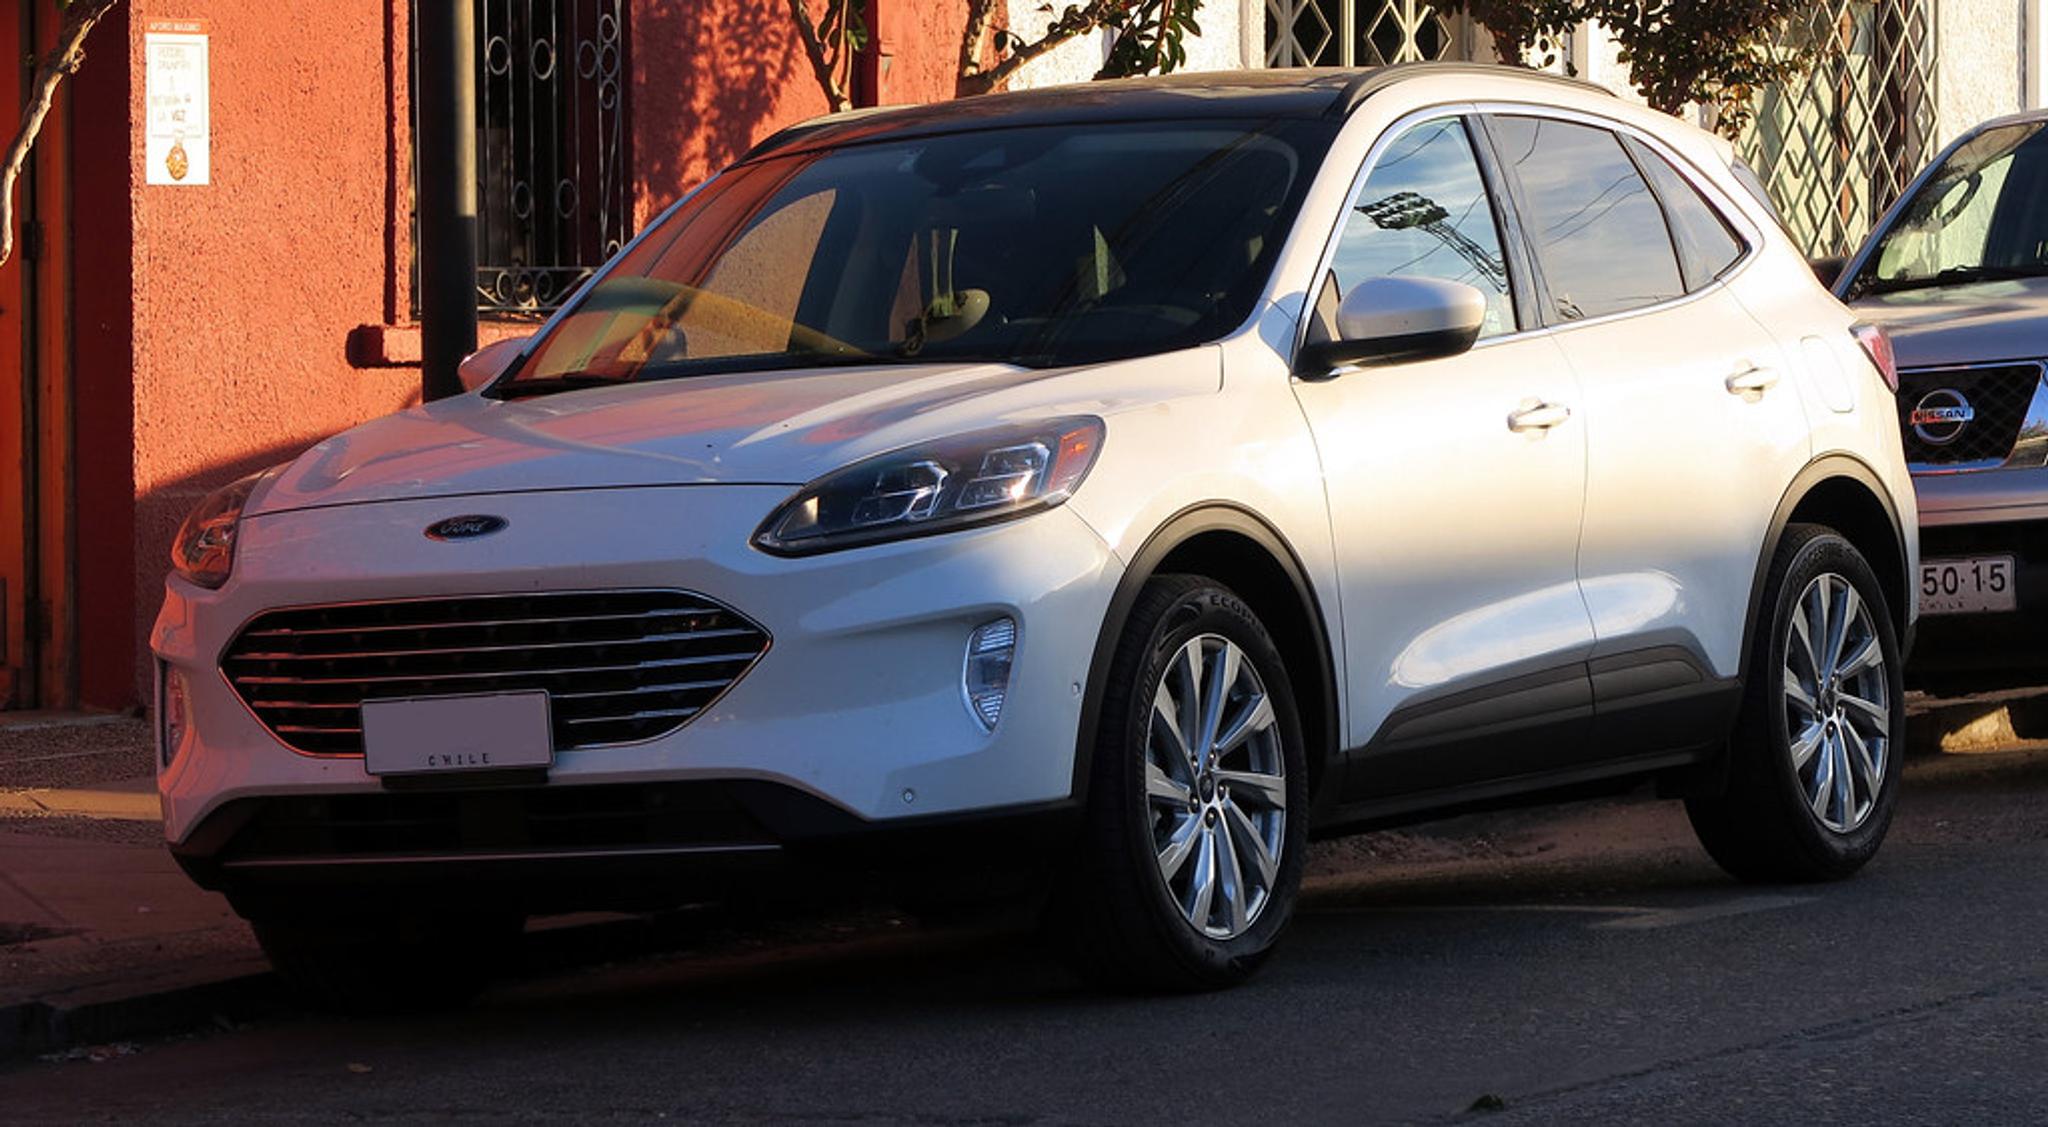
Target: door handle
pixel 1752 380
pixel 1541 416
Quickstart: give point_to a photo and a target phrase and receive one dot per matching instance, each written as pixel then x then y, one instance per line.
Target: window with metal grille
pixel 551 96
pixel 1311 33
pixel 1835 147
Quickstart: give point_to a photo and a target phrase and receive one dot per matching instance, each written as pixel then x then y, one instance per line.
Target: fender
pixel 1826 466
pixel 1193 521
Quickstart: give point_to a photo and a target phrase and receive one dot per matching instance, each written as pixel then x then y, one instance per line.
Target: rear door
pixel 1692 434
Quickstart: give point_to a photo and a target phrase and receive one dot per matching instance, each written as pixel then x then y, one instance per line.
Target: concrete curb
pixel 172 1001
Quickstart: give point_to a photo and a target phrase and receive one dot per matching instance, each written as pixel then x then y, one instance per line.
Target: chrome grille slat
pixel 647 714
pixel 648 640
pixel 466 625
pixel 378 679
pixel 643 690
pixel 615 664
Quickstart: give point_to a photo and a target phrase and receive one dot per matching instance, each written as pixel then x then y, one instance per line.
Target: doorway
pixel 17 405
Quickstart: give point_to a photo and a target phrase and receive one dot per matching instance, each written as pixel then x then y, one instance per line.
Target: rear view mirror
pixel 1828 270
pixel 1393 320
pixel 489 362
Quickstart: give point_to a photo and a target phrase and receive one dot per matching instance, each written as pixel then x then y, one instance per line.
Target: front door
pixel 1455 491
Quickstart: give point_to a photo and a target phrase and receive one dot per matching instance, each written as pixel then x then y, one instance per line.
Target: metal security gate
pixel 551 148
pixel 1325 33
pixel 1837 146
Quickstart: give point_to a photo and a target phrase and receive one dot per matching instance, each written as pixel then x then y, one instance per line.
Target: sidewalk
pixel 101 935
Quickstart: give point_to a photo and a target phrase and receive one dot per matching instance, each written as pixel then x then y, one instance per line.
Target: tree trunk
pixel 63 60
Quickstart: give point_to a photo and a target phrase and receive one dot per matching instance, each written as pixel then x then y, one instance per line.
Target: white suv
pixel 1115 486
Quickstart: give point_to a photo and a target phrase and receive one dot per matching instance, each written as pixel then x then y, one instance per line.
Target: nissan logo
pixel 466 527
pixel 1941 416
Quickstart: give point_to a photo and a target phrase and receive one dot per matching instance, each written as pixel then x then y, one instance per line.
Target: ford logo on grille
pixel 1941 416
pixel 466 527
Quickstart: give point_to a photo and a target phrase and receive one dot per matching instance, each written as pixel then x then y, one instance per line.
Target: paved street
pixel 1577 963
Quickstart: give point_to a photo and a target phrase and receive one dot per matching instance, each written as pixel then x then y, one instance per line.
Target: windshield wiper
pixel 549 385
pixel 1953 276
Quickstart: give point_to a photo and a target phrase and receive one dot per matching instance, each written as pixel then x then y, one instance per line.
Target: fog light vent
pixel 987 675
pixel 170 713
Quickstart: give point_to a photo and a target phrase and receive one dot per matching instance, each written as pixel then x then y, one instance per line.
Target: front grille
pixel 618 666
pixel 1999 396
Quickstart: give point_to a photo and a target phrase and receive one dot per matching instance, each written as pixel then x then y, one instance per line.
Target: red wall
pixel 711 79
pixel 244 291
pixel 233 304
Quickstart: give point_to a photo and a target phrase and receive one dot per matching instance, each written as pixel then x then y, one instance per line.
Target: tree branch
pixel 974 37
pixel 63 61
pixel 1072 22
pixel 814 49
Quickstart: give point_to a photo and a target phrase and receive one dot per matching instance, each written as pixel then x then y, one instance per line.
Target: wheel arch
pixel 1845 494
pixel 1237 548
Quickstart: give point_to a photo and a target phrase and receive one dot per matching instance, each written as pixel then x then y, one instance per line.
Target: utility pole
pixel 444 33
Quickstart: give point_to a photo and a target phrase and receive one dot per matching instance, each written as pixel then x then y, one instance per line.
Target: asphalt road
pixel 1583 963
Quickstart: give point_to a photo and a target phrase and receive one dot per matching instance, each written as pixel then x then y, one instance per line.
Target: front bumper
pixel 856 709
pixel 1992 512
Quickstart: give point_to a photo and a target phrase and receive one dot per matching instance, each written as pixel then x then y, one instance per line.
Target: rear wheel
pixel 1198 796
pixel 392 964
pixel 1815 765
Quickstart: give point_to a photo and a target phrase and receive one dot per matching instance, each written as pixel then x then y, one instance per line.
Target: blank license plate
pixel 1971 585
pixel 478 732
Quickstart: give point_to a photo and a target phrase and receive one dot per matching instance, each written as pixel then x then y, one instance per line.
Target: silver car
pixel 1957 273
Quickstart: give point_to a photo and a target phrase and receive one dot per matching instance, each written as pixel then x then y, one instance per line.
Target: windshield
pixel 1982 215
pixel 1042 246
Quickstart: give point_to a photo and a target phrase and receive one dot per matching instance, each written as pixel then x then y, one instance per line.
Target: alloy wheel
pixel 1838 706
pixel 1215 786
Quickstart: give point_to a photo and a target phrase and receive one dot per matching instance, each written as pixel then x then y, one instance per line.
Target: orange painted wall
pixel 243 293
pixel 712 78
pixel 245 290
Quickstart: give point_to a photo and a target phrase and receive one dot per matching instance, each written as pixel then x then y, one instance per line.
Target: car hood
pixel 783 428
pixel 1984 321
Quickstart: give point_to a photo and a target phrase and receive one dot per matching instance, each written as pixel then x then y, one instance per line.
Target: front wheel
pixel 1197 803
pixel 1815 765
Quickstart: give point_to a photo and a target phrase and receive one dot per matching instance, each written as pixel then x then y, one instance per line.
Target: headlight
pixel 204 551
pixel 954 483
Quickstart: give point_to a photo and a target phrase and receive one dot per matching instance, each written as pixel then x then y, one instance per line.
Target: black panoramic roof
pixel 1289 92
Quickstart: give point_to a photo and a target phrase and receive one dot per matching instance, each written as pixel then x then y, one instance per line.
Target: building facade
pixel 160 336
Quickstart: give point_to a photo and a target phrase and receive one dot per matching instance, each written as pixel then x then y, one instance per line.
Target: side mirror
pixel 489 362
pixel 1828 270
pixel 1392 320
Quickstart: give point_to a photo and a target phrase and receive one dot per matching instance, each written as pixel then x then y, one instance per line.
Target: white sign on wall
pixel 177 142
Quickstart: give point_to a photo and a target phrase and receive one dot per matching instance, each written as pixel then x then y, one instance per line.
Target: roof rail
pixel 1372 81
pixel 790 133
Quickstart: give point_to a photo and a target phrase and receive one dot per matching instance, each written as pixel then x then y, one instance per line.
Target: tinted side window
pixel 1706 244
pixel 1595 226
pixel 1424 212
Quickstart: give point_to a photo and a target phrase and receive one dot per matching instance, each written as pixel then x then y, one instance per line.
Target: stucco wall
pixel 245 290
pixel 1978 68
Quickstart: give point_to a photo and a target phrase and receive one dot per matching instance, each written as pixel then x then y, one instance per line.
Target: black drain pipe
pixel 444 37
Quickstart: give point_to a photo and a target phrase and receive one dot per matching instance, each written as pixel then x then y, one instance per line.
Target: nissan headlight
pixel 204 551
pixel 971 479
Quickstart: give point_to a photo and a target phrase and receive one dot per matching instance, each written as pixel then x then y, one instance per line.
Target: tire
pixel 391 965
pixel 1128 922
pixel 1778 821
